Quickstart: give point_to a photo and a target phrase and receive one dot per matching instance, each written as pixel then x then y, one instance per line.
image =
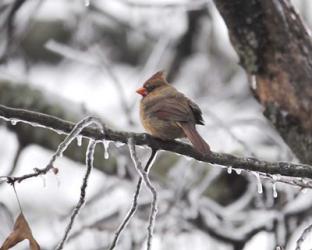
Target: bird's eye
pixel 150 88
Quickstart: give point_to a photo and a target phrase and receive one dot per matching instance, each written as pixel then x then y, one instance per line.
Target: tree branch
pixel 134 203
pixel 145 177
pixel 275 47
pixel 89 163
pixel 250 164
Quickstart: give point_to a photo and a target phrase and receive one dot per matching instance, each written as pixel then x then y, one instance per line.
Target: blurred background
pixel 76 58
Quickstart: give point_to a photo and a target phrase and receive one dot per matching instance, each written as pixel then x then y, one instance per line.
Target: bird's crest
pixel 160 75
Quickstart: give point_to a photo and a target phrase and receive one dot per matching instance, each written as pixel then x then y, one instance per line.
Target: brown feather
pixel 167 114
pixel 198 142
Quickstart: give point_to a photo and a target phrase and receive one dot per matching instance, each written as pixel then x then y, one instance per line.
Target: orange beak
pixel 142 91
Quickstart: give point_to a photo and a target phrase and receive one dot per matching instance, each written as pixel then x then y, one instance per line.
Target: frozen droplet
pixel 106 146
pixel 61 154
pixel 13 122
pixel 274 190
pixel 238 171
pixel 229 170
pixel 253 82
pixel 79 140
pixel 119 144
pixel 304 190
pixel 276 177
pixel 259 183
pixel 87 3
pixel 188 158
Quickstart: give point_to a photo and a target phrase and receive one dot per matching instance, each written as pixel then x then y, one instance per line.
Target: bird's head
pixel 155 82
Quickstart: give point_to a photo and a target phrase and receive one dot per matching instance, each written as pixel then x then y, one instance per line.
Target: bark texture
pixel 274 46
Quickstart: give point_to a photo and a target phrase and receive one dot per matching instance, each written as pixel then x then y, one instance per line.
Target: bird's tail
pixel 198 142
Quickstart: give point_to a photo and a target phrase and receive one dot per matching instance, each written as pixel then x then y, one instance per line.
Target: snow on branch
pixel 301 171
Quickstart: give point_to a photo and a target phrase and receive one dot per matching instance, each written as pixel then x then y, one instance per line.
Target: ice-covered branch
pixel 89 163
pixel 134 203
pixel 245 163
pixel 303 236
pixel 144 176
pixel 75 131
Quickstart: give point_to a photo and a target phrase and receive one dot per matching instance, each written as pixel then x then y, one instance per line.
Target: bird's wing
pixel 174 108
pixel 196 112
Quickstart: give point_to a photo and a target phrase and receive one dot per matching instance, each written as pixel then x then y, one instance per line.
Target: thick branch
pixel 251 164
pixel 274 45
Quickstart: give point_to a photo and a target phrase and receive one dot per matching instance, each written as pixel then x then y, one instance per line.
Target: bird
pixel 168 114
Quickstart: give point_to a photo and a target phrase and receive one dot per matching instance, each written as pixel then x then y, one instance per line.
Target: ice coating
pixel 274 189
pixel 259 183
pixel 238 171
pixel 106 146
pixel 229 170
pixel 14 122
pixel 79 140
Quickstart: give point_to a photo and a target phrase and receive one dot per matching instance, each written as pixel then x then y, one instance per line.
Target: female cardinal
pixel 167 114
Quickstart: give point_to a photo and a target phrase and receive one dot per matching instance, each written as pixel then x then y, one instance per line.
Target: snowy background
pixel 89 58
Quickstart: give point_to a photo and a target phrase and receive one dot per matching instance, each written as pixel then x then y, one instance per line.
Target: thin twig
pixel 134 203
pixel 246 163
pixel 75 131
pixel 303 236
pixel 191 5
pixel 144 176
pixel 18 152
pixel 89 163
pixel 18 201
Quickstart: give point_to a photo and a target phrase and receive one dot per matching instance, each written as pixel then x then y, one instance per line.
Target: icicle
pixel 238 171
pixel 275 178
pixel 259 184
pixel 229 170
pixel 13 122
pixel 253 82
pixel 79 140
pixel 106 146
pixel 73 134
pixel 274 190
